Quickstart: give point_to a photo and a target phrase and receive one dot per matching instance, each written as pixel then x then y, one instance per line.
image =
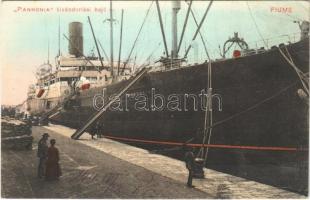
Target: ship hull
pixel 260 108
pixel 241 84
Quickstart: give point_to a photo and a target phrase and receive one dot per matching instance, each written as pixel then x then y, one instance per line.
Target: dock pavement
pixel 104 168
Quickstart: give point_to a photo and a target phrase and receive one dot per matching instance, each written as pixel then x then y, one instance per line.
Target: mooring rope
pixel 300 74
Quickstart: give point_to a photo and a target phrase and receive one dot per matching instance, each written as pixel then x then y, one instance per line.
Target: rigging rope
pixel 248 109
pixel 199 27
pixel 184 25
pixel 254 106
pixel 208 114
pixel 260 34
pixel 294 17
pixel 104 52
pixel 134 44
pixel 151 54
pixel 202 39
pixel 202 32
pixel 300 74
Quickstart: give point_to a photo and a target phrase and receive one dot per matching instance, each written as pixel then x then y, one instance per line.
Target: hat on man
pixel 45 135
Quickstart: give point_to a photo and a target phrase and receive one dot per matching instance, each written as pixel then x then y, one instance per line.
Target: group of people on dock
pixel 49 167
pixel 96 130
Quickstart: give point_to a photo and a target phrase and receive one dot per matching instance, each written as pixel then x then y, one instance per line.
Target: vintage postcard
pixel 154 99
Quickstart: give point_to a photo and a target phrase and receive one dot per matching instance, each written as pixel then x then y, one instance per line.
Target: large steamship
pixel 259 98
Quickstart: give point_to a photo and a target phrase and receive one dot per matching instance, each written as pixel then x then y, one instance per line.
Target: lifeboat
pixel 40 93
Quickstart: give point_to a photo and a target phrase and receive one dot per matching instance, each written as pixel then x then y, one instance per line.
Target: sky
pixel 25 35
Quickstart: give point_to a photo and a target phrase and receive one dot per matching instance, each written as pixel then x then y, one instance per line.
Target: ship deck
pixel 103 168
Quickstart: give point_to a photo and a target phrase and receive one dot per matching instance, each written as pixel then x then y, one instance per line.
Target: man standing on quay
pixel 190 162
pixel 42 154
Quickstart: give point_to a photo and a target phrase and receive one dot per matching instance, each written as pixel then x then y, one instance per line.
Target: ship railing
pixel 275 41
pixel 170 65
pixel 257 46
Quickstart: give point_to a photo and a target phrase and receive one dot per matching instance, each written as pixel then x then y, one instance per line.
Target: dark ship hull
pixel 261 87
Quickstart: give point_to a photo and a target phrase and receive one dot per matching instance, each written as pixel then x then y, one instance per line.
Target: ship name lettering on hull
pixel 155 101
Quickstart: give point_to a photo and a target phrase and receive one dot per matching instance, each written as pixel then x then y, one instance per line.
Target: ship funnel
pixel 76 39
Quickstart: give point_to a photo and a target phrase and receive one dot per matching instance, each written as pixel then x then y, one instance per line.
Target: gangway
pixel 92 119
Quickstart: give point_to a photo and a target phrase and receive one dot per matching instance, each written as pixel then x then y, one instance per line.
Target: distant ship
pixel 259 99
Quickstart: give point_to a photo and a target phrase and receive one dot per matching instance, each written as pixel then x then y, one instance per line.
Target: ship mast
pixel 120 43
pixel 92 30
pixel 176 6
pixel 162 28
pixel 48 51
pixel 58 36
pixel 57 61
pixel 171 61
pixel 111 39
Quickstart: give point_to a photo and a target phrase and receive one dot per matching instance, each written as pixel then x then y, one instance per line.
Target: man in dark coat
pixel 42 154
pixel 190 162
pixel 98 129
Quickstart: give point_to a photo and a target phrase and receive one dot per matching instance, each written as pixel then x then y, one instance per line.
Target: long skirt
pixel 52 171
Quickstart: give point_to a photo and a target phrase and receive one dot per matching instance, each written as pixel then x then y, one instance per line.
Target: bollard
pixel 198 168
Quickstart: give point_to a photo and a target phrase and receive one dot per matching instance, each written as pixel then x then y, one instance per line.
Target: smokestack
pixel 76 39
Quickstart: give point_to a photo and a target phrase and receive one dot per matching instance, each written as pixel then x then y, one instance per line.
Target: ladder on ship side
pixel 78 133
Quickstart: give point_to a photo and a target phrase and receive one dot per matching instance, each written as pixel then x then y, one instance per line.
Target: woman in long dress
pixel 53 171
